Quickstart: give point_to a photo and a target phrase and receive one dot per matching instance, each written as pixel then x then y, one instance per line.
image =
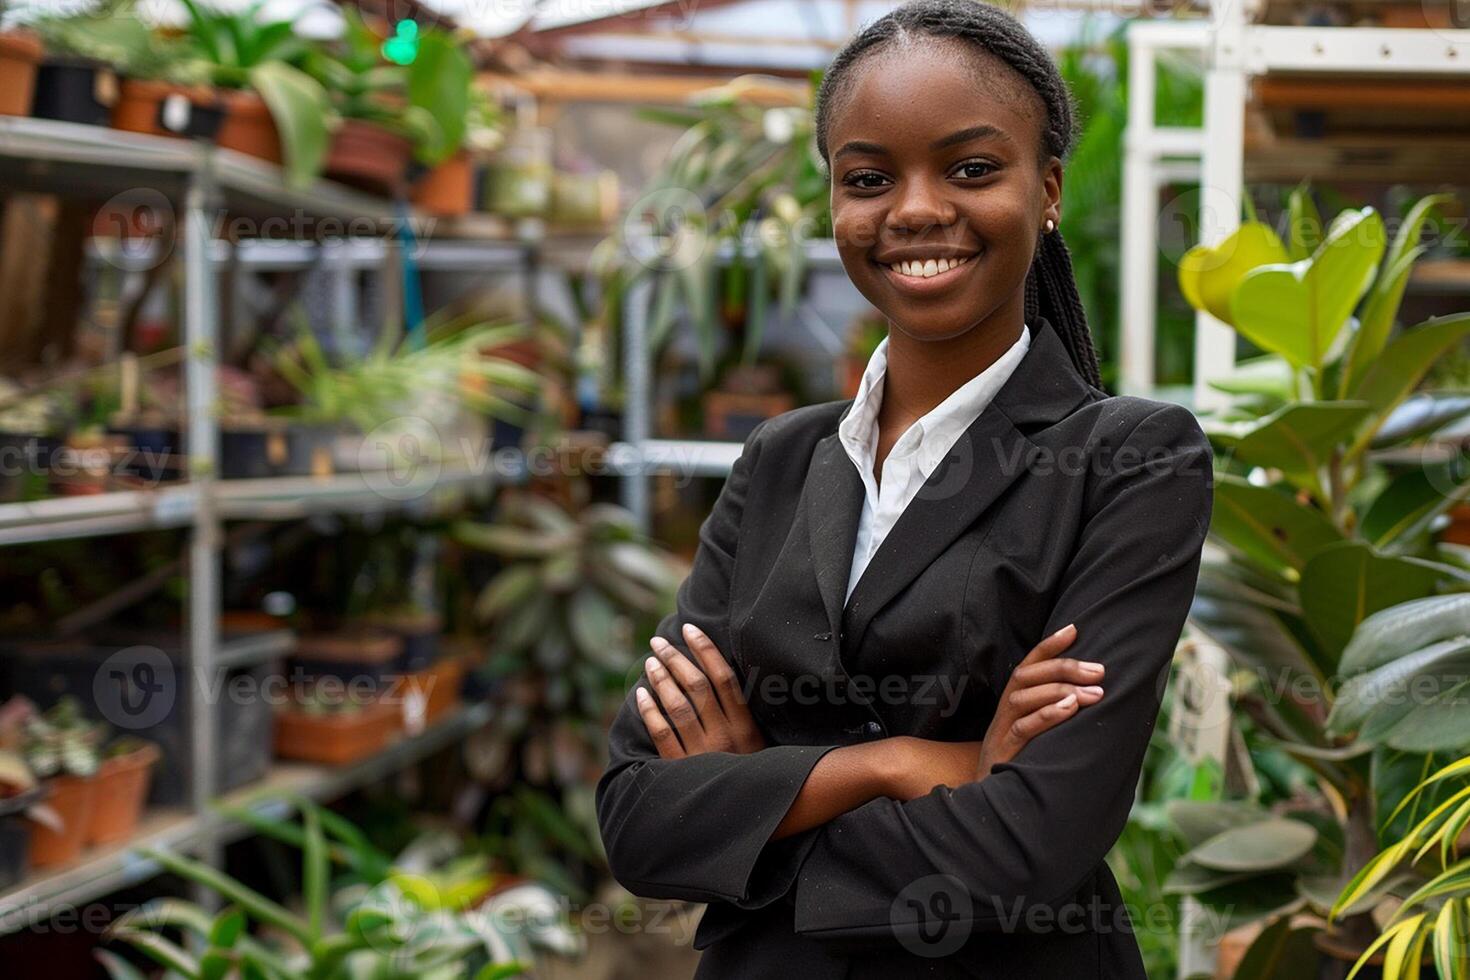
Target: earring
pixel 1050 226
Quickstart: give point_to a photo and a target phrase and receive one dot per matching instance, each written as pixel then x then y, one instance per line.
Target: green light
pixel 403 46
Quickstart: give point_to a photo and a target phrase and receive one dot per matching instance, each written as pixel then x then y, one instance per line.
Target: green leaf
pixel 1304 222
pixel 1346 582
pixel 1263 846
pixel 1269 526
pixel 1210 274
pixel 1403 512
pixel 439 82
pixel 1393 632
pixel 1420 414
pixel 1199 821
pixel 252 902
pixel 1298 309
pixel 302 114
pixel 1269 375
pixel 1299 438
pixel 314 869
pixel 117 967
pixel 226 928
pixel 1390 688
pixel 1403 363
pixel 166 954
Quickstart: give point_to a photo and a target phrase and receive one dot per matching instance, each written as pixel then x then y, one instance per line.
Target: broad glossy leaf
pixel 1268 845
pixel 1391 687
pixel 1346 582
pixel 1268 525
pixel 1281 950
pixel 1300 437
pixel 1407 358
pixel 1405 627
pixel 1209 274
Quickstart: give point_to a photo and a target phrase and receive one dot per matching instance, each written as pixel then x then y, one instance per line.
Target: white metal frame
pixel 1233 51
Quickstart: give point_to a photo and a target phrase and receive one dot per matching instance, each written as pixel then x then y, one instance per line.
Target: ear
pixel 1051 193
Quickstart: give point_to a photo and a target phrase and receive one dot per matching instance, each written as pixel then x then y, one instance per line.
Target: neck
pixel 923 373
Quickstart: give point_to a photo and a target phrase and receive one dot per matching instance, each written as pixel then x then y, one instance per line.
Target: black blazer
pixel 1060 504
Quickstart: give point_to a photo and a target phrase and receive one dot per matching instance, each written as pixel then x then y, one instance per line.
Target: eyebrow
pixel 953 139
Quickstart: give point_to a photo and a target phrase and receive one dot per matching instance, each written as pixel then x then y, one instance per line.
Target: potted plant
pixel 371 926
pixel 61 747
pixel 573 591
pixel 334 724
pixel 391 111
pixel 1322 552
pixel 122 789
pixel 273 110
pixel 448 188
pixel 32 428
pixel 79 81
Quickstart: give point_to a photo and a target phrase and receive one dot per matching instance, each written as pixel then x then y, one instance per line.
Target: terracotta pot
pixel 368 157
pixel 73 798
pixel 161 109
pixel 20 55
pixel 336 739
pixel 1458 531
pixel 429 695
pixel 249 128
pixel 122 789
pixel 449 189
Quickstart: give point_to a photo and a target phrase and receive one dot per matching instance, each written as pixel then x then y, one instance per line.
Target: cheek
pixel 856 227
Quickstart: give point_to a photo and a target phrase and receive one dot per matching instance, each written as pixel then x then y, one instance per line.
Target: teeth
pixel 927 268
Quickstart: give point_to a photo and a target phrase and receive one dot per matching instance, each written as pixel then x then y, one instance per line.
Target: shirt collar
pixel 933 435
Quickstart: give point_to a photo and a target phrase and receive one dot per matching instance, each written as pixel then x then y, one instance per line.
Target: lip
pixel 920 286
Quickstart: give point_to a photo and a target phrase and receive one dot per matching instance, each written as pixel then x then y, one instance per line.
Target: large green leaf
pixel 1297 309
pixel 1393 632
pixel 302 113
pixel 1200 820
pixel 1299 438
pixel 1209 274
pixel 1346 582
pixel 1396 688
pixel 1263 846
pixel 439 82
pixel 1421 414
pixel 1387 293
pixel 1403 511
pixel 1269 375
pixel 1268 525
pixel 1403 363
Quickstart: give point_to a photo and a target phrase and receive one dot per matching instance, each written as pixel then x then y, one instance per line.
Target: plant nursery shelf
pixel 62 891
pixel 275 498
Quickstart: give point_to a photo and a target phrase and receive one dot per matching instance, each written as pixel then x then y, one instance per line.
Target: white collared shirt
pixel 917 453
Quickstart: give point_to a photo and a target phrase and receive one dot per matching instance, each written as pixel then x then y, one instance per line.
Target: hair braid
pixel 1051 288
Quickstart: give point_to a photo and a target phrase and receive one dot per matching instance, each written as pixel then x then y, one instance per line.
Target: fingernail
pixel 657 643
pixel 1067 701
pixel 1091 667
pixel 692 632
pixel 1069 626
pixel 651 665
pixel 641 694
pixel 1092 689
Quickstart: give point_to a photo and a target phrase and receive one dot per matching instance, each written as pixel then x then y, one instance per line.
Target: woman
pixel 863 750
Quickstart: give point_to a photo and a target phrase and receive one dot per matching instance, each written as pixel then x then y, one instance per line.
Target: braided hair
pixel 1051 289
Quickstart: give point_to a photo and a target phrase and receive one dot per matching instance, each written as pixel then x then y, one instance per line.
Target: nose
pixel 920 203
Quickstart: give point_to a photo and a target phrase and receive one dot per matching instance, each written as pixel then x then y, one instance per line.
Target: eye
pixel 855 179
pixel 974 169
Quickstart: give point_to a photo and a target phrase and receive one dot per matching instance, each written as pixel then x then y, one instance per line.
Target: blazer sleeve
pixel 1033 832
pixel 698 829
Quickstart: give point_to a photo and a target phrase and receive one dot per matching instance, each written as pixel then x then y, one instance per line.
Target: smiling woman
pixel 981 519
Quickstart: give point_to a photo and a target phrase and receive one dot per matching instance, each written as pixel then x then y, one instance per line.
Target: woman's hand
pixel 1044 691
pixel 705 708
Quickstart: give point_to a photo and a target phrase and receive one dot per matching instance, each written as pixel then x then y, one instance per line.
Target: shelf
pixel 96 515
pixel 110 869
pixel 255 648
pixel 683 457
pixel 288 498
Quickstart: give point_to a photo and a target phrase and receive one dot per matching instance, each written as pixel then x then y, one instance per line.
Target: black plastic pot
pixel 245 454
pixel 15 838
pixel 136 682
pixel 157 453
pixel 75 90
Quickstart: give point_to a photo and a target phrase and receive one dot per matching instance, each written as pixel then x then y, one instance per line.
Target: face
pixel 928 169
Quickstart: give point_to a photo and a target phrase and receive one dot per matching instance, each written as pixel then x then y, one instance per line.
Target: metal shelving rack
pixel 640 455
pixel 1233 51
pixel 196 178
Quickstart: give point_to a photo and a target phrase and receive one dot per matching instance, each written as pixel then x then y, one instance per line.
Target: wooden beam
pixel 558 84
pixel 1361 93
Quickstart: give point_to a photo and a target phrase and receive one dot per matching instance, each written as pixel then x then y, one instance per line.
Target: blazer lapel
pixel 984 461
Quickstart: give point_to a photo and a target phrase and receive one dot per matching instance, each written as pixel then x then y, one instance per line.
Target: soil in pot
pixel 449 189
pixel 368 157
pixel 161 109
pixel 20 56
pixel 73 798
pixel 75 90
pixel 249 128
pixel 122 790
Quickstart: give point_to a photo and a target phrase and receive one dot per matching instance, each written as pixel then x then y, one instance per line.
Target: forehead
pixel 916 91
